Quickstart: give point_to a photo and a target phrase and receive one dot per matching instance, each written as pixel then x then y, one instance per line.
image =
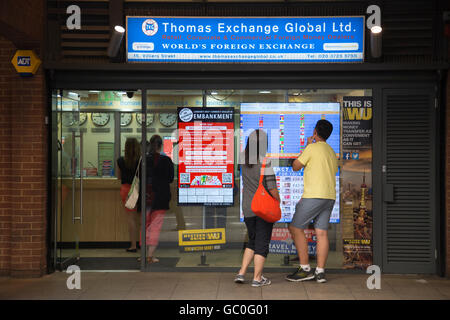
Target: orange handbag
pixel 263 204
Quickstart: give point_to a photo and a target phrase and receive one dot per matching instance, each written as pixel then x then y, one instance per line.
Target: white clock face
pixel 100 118
pixel 148 121
pixel 125 119
pixel 68 119
pixel 168 119
pixel 83 118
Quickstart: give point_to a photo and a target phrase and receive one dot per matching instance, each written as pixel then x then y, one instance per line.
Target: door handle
pixel 81 177
pixel 74 170
pixel 80 163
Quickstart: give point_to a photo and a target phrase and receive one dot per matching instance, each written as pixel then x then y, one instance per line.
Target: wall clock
pixel 168 119
pixel 149 121
pixel 100 118
pixel 125 119
pixel 83 118
pixel 68 119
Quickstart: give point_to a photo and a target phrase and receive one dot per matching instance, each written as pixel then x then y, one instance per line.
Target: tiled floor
pixel 221 258
pixel 220 286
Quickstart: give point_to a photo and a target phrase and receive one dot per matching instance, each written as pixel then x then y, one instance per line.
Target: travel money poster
pixel 356 186
pixel 206 156
pixel 281 242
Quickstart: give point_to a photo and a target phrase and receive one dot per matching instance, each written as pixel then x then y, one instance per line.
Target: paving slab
pixel 221 286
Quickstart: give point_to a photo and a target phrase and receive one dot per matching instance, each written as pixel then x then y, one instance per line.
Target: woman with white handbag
pixel 127 170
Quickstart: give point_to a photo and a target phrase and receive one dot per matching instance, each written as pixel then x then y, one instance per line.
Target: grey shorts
pixel 309 209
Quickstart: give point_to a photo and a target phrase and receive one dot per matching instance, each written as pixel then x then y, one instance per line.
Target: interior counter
pixel 103 216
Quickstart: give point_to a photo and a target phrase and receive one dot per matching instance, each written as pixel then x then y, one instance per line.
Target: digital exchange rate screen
pixel 288 126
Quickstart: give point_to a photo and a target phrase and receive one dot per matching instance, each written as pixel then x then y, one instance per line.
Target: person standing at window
pixel 160 174
pixel 127 169
pixel 319 195
pixel 259 231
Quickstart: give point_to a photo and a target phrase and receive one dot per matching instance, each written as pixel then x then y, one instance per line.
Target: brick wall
pixel 23 161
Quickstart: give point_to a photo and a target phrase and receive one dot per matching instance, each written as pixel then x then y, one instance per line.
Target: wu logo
pixel 358 113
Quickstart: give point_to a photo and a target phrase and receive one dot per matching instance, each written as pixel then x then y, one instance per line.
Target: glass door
pixel 67 177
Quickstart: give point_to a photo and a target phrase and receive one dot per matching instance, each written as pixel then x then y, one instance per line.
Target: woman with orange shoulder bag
pixel 260 201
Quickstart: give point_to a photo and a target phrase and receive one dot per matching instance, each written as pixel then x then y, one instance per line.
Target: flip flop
pixel 150 260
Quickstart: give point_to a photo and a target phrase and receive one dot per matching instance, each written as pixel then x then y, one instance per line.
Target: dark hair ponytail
pixel 258 139
pixel 132 152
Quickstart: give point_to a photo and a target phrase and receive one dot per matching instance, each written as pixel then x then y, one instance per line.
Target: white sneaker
pixel 263 282
pixel 239 279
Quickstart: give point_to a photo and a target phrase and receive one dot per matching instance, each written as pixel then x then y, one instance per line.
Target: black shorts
pixel 259 235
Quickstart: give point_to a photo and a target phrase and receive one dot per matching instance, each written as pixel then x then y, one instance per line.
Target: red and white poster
pixel 168 143
pixel 206 156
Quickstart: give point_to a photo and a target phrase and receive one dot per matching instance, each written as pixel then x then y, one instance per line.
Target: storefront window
pixel 105 119
pixel 345 239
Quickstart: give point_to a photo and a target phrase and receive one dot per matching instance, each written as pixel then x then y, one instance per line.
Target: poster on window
pixel 281 242
pixel 356 187
pixel 206 156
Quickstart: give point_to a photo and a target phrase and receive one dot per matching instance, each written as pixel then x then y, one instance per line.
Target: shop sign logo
pixel 186 115
pixel 357 109
pixel 150 27
pixel 74 281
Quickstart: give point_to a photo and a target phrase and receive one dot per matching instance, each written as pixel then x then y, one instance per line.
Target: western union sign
pixel 201 237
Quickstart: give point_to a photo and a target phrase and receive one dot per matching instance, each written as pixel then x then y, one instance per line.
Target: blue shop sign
pixel 249 39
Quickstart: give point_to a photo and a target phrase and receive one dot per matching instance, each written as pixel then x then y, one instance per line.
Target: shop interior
pixel 89 130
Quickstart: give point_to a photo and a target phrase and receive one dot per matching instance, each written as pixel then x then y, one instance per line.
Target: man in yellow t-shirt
pixel 319 194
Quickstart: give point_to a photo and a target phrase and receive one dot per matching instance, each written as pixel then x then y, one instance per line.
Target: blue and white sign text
pixel 224 39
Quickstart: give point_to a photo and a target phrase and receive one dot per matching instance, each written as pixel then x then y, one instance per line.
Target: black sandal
pixel 131 250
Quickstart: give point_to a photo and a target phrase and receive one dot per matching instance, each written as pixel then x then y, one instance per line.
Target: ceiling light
pixel 115 41
pixel 265 91
pixel 376 29
pixel 214 92
pixel 119 29
pixel 376 42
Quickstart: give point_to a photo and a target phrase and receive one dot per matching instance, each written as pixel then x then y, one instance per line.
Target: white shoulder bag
pixel 133 194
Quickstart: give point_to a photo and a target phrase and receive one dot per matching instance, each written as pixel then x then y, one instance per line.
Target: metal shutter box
pixel 409 216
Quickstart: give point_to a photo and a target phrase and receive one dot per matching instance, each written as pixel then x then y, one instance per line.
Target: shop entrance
pixel 68 204
pixel 89 227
